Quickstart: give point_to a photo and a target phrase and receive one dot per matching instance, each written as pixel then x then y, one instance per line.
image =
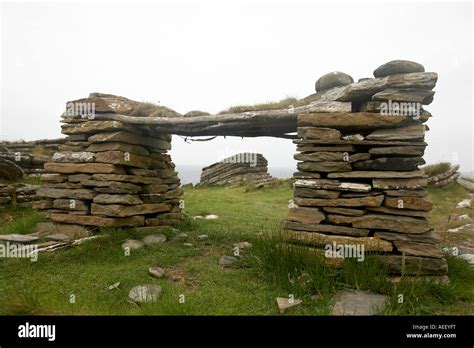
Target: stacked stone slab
pixel 111 174
pixel 242 168
pixel 358 181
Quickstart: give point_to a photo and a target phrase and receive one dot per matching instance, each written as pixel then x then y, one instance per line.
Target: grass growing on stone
pixel 437 168
pixel 284 103
pixel 84 273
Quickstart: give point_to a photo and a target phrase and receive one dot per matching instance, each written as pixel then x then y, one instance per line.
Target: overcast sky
pixel 210 55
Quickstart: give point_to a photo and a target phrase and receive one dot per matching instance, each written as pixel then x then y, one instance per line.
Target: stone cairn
pixel 242 168
pixel 358 182
pixel 109 173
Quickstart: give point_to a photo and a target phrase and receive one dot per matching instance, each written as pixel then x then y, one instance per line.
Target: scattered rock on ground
pixel 243 245
pixel 114 286
pixel 17 238
pixel 202 237
pixel 58 237
pixel 133 244
pixel 466 203
pixel 187 244
pixel 181 237
pixel 211 217
pixel 357 302
pixel 154 239
pixel 460 228
pixel 156 272
pixel 461 217
pixel 145 293
pixel 468 257
pixel 227 261
pixel 285 303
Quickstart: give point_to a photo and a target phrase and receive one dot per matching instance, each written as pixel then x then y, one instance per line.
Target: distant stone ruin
pixel 30 156
pixel 441 174
pixel 242 168
pixel 358 188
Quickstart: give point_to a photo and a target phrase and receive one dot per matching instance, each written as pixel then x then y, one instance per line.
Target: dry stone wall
pixel 358 184
pixel 110 174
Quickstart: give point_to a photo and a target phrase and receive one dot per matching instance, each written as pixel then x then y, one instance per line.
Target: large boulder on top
pixel 333 79
pixel 398 67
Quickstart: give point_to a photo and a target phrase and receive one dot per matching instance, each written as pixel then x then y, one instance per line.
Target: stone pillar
pixel 358 182
pixel 111 174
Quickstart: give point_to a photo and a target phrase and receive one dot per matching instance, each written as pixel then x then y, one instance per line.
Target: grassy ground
pixel 83 274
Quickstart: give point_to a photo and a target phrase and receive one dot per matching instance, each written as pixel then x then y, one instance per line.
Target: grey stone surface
pixel 154 239
pixel 398 67
pixel 145 293
pixel 226 261
pixel 333 79
pixel 357 302
pixel 156 272
pixel 133 244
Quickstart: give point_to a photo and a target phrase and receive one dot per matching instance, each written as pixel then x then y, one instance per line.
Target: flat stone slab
pixel 466 203
pixel 180 237
pixel 17 238
pixel 227 261
pixel 133 244
pixel 211 217
pixel 285 303
pixel 145 293
pixel 463 228
pixel 58 237
pixel 243 245
pixel 357 302
pixel 156 272
pixel 154 239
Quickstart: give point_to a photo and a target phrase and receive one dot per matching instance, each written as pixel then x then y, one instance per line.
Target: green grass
pixel 32 180
pixel 19 220
pixel 262 273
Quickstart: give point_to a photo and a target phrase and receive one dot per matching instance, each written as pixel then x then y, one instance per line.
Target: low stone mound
pixel 9 170
pixel 441 174
pixel 242 168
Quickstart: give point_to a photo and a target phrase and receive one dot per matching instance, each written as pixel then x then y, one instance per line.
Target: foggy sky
pixel 210 55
